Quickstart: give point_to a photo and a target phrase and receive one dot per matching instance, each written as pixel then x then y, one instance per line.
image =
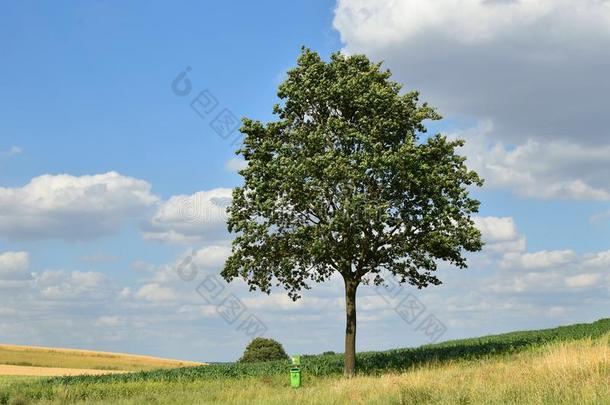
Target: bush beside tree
pixel 262 349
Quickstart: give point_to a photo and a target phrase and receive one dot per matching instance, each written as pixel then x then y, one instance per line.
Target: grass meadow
pixel 566 365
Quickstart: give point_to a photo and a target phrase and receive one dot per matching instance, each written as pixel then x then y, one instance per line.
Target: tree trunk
pixel 350 328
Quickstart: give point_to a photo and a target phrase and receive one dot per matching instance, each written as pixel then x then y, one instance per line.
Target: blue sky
pixel 86 91
pixel 88 87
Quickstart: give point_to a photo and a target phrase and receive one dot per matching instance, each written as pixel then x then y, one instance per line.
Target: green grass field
pixel 568 365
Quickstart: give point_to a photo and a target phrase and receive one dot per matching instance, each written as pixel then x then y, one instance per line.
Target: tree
pixel 261 349
pixel 344 181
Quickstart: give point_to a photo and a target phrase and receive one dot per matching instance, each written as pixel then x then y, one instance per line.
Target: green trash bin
pixel 295 377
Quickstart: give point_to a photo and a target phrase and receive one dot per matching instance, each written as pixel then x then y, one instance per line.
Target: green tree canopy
pixel 345 181
pixel 261 349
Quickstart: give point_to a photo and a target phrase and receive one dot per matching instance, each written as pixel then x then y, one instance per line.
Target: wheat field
pixel 79 361
pixel 10 370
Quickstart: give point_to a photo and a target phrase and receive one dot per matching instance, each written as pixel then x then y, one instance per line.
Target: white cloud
pixel 156 293
pixel 540 285
pixel 212 256
pixel 125 293
pixel 170 236
pixel 536 260
pixel 519 275
pixel 583 280
pixel 71 207
pixel 14 266
pixel 73 285
pixel 35 289
pixel 207 260
pixel 495 229
pixel 500 234
pixel 556 169
pixel 466 21
pixel 281 302
pixel 598 260
pixel 191 218
pixel 553 282
pixel 550 273
pixel 235 164
pixel 529 72
pixel 532 66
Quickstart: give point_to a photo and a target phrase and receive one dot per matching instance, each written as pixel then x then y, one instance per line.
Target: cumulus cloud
pixel 538 260
pixel 508 282
pixel 504 267
pixel 190 218
pixel 53 285
pixel 467 21
pixel 534 67
pixel 500 234
pixel 39 294
pixel 532 278
pixel 598 260
pixel 560 284
pixel 156 293
pixel 14 266
pixel 583 280
pixel 556 169
pixel 529 73
pixel 71 285
pixel 212 256
pixel 551 274
pixel 235 164
pixel 15 275
pixel 508 285
pixel 495 229
pixel 206 260
pixel 72 207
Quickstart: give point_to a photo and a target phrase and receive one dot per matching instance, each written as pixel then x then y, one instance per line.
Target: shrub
pixel 261 349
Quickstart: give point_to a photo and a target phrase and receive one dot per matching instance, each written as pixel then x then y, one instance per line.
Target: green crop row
pixel 316 365
pixel 367 362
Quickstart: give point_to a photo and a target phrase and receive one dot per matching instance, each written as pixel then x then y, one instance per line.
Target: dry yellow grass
pixel 8 370
pixel 31 356
pixel 567 373
pixel 576 372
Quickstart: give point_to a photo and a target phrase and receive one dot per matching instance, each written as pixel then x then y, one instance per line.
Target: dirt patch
pixel 6 369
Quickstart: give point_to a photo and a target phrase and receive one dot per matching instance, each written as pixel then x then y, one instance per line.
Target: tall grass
pixel 574 372
pixel 560 364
